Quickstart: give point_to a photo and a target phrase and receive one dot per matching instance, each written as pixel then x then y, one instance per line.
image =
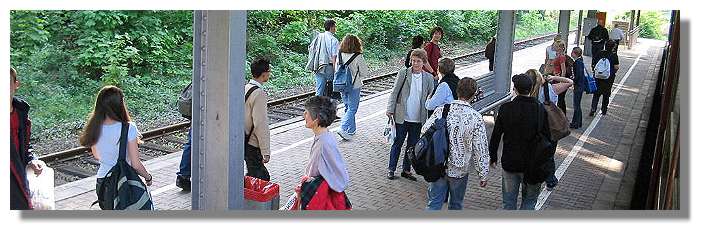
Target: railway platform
pixel 596 165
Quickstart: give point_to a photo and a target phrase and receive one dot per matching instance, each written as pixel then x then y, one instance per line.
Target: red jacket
pixel 327 199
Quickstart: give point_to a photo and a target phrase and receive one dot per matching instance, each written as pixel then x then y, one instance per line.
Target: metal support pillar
pixel 631 20
pixel 578 33
pixel 638 17
pixel 589 23
pixel 217 125
pixel 564 25
pixel 503 52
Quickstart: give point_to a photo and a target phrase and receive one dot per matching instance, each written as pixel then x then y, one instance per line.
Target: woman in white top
pixel 406 108
pixel 551 55
pixel 556 85
pixel 102 133
pixel 350 46
pixel 468 148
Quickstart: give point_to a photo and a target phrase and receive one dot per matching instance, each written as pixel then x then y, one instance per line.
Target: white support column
pixel 578 34
pixel 589 23
pixel 563 25
pixel 217 141
pixel 503 52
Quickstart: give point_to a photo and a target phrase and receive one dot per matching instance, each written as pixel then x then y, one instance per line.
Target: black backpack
pixel 122 188
pixel 429 154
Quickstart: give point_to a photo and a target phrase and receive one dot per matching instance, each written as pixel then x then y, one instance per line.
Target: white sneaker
pixel 344 135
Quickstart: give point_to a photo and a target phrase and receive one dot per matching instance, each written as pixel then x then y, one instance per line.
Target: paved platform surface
pixel 596 164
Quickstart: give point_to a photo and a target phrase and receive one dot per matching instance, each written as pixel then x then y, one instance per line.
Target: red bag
pixel 260 190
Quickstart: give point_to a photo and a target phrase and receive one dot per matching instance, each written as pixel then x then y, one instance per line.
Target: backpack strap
pixel 122 155
pixel 406 72
pixel 247 95
pixel 546 98
pixel 446 108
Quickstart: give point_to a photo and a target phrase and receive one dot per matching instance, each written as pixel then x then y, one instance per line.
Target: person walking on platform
pixel 579 85
pixel 446 91
pixel 358 68
pixel 468 147
pixel 616 35
pixel 556 85
pixel 604 86
pixel 517 124
pixel 489 51
pixel 257 149
pixel 322 55
pixel 326 166
pixel 416 43
pixel 433 52
pixel 406 109
pixel 103 130
pixel 21 154
pixel 599 36
pixel 183 176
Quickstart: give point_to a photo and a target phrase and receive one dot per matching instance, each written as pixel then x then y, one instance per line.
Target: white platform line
pixel 581 141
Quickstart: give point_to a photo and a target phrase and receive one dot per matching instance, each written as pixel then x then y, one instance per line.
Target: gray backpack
pixel 184 102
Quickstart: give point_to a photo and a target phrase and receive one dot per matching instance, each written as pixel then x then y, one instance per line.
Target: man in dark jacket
pixel 20 149
pixel 599 36
pixel 489 51
pixel 517 121
pixel 579 86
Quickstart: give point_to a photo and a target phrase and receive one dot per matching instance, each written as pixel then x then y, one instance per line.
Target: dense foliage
pixel 64 57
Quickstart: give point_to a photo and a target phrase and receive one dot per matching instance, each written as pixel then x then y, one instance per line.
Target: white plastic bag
pixel 41 187
pixel 390 132
pixel 291 204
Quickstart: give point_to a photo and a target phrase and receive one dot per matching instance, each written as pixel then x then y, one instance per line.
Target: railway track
pixel 77 163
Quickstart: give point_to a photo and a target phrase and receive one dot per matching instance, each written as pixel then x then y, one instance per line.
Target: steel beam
pixel 564 25
pixel 217 149
pixel 503 52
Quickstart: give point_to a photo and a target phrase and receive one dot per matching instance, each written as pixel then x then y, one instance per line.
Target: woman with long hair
pixel 102 134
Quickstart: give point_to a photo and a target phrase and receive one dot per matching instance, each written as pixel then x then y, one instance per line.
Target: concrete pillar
pixel 503 52
pixel 589 23
pixel 218 134
pixel 564 25
pixel 578 33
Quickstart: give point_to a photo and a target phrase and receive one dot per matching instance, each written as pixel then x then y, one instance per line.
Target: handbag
pixel 557 121
pixel 390 132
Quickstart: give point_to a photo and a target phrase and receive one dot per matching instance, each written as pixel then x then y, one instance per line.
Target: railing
pixel 632 36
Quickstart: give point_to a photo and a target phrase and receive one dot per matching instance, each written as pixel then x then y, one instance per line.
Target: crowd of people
pixel 423 88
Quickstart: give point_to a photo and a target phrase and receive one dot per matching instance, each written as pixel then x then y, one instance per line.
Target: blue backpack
pixel 343 80
pixel 591 86
pixel 429 155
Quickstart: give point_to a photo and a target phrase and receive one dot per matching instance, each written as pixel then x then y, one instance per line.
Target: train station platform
pixel 596 165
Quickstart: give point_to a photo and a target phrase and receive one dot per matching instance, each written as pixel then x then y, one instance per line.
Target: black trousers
pixel 561 101
pixel 492 64
pixel 255 166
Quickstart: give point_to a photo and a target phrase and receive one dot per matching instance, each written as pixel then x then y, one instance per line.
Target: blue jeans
pixel 551 180
pixel 413 129
pixel 510 191
pixel 351 100
pixel 321 79
pixel 437 193
pixel 185 165
pixel 577 110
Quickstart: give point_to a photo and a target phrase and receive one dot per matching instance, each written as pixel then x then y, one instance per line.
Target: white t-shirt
pixel 108 146
pixel 551 52
pixel 413 102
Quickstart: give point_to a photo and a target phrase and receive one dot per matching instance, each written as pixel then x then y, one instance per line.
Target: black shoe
pixel 183 182
pixel 391 176
pixel 592 113
pixel 408 176
pixel 604 112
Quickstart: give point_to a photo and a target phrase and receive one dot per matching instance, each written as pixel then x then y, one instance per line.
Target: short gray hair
pixel 446 66
pixel 321 108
